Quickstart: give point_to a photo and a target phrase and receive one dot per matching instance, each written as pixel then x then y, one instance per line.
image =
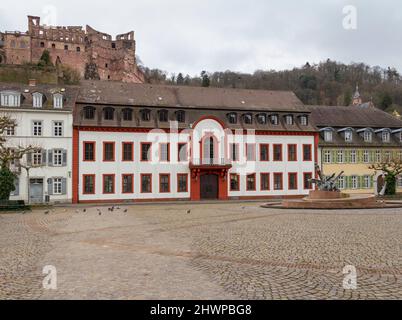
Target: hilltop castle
pixel 94 54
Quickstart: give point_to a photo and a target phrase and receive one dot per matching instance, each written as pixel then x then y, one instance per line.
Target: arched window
pixel 262 118
pixel 289 120
pixel 209 150
pixel 274 119
pixel 248 118
pixel 232 118
pixel 108 113
pixel 127 114
pixel 89 113
pixel 163 116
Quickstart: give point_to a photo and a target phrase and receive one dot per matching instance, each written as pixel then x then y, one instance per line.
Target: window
pixel 341 156
pixel 327 156
pixel 307 152
pixel 37 158
pixel 367 135
pixel 65 47
pixel 89 184
pixel 113 45
pixel 163 116
pixel 277 152
pixel 53 46
pixel 387 156
pixel 57 128
pixel 128 151
pixel 10 99
pixel 164 183
pixel 89 151
pixel 234 182
pixel 234 151
pixel 37 128
pixel 355 183
pixel 303 120
pixel 127 183
pixel 278 181
pixel 89 113
pixel 37 100
pixel 289 120
pixel 378 156
pixel 182 152
pixel 251 182
pixel 57 186
pixel 232 117
pixel 292 152
pixel 108 183
pixel 164 150
pixel 274 119
pixel 250 152
pixel 42 44
pixel 328 136
pixel 262 119
pixel 108 114
pixel 341 183
pixel 248 118
pixel 108 151
pixel 10 131
pixel 292 181
pixel 127 114
pixel 182 182
pixel 307 185
pixel 145 115
pixel 366 156
pixel 146 183
pixel 208 151
pixel 181 116
pixel 145 152
pixel 264 152
pixel 264 181
pixel 367 182
pixel 353 156
pixel 57 158
pixel 78 49
pixel 58 101
pixel 348 136
pixel 386 136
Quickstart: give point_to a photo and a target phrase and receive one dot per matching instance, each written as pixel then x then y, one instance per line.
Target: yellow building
pixel 354 138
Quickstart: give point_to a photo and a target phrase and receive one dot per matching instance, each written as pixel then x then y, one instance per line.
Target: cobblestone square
pixel 201 251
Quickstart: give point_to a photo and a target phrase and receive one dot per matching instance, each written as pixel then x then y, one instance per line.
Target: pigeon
pixel 47 212
pixel 100 213
pixel 125 211
pixel 85 210
pixel 189 211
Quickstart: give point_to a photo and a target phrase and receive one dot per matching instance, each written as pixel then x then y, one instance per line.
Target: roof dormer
pixel 10 99
pixel 384 134
pixel 366 134
pixel 347 134
pixel 38 99
pixel 58 100
pixel 328 134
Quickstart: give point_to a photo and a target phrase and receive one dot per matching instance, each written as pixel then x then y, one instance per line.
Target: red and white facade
pixel 206 161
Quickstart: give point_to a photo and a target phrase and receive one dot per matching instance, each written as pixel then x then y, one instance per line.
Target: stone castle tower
pixel 94 54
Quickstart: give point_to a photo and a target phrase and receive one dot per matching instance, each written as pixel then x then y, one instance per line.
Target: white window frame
pixel 57 158
pixel 378 156
pixel 328 156
pixel 348 136
pixel 58 127
pixel 303 120
pixel 37 100
pixel 328 136
pixel 57 186
pixel 37 128
pixel 355 182
pixel 37 158
pixel 340 156
pixel 289 120
pixel 341 183
pixel 368 136
pixel 386 136
pixel 10 99
pixel 367 182
pixel 366 156
pixel 58 101
pixel 164 149
pixel 353 156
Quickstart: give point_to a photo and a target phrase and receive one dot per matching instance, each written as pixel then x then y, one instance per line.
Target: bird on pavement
pixel 188 211
pixel 47 212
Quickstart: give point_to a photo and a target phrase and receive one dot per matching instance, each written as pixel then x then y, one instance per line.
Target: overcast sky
pixel 216 35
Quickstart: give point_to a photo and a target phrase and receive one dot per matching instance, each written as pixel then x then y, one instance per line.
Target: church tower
pixel 357 99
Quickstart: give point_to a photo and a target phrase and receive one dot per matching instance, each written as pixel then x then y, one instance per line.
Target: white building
pixel 44 119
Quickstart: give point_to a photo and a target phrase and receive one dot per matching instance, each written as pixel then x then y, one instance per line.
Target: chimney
pixel 32 82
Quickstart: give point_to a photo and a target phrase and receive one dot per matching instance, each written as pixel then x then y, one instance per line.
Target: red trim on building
pixel 269 182
pixel 150 181
pixel 273 157
pixel 168 152
pixel 160 176
pixel 123 144
pixel 83 184
pixel 114 183
pixel 76 164
pixel 296 157
pixel 182 175
pixel 238 182
pixel 149 151
pixel 304 180
pixel 114 151
pixel 122 183
pixel 281 175
pixel 311 152
pixel 254 153
pixel 267 146
pixel 210 118
pixel 255 182
pixel 83 150
pixel 297 185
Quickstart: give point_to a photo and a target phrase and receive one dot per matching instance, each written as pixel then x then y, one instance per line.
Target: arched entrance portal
pixel 209 187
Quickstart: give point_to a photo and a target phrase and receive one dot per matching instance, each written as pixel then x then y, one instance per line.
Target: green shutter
pixel 347 156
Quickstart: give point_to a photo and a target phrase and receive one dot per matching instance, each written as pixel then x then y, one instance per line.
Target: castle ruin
pixel 95 55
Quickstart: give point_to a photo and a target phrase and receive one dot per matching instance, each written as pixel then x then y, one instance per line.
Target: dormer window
pixel 127 114
pixel 181 116
pixel 328 135
pixel 262 119
pixel 368 136
pixel 89 113
pixel 289 120
pixel 146 115
pixel 10 99
pixel 274 119
pixel 386 136
pixel 248 118
pixel 37 100
pixel 58 101
pixel 232 117
pixel 348 136
pixel 108 114
pixel 303 120
pixel 163 116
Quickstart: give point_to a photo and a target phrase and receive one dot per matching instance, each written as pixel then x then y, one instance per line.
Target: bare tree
pixel 392 168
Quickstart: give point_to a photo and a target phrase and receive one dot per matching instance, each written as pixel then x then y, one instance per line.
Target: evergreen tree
pixel 205 81
pixel 180 79
pixel 6 183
